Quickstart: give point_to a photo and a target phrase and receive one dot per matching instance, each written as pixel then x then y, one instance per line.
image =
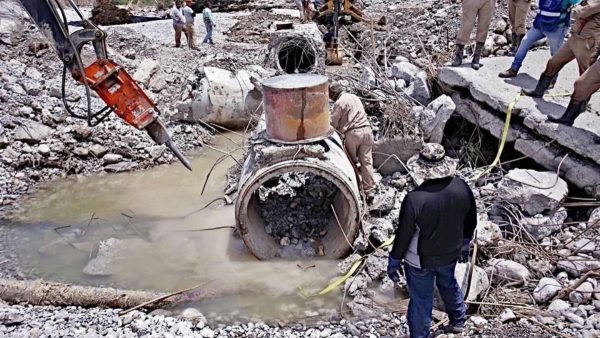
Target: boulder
pixel 433 119
pixel 577 265
pixel 558 306
pixel 145 70
pixel 534 191
pixel 98 150
pixel 479 280
pixel 540 226
pixel 112 158
pixel 546 289
pixel 506 270
pixel 32 132
pixel 110 252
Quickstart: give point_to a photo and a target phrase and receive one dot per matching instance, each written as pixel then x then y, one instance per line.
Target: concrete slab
pixel 486 87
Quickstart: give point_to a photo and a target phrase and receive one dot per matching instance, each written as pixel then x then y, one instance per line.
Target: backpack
pixel 549 15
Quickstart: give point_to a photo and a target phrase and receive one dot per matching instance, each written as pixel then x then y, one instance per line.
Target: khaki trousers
pixel 191 34
pixel 475 10
pixel 574 48
pixel 359 145
pixel 178 30
pixel 517 15
pixel 587 84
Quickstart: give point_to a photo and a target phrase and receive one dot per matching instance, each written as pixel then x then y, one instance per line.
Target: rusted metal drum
pixel 297 108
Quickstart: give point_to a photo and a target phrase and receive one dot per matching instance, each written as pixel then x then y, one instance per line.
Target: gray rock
pixel 81 152
pixel 507 270
pixel 576 265
pixel 32 132
pixel 120 167
pixel 112 158
pixel 405 70
pixel 583 245
pixel 540 226
pixel 418 89
pixel 594 218
pixel 478 321
pixel 558 305
pixel 207 333
pixel 98 150
pixel 534 191
pixel 110 252
pixel 573 318
pixel 499 26
pixel 507 315
pixel 44 149
pixel 434 118
pixel 583 293
pixel 546 289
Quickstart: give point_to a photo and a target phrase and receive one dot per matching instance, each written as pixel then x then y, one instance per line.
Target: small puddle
pixel 160 248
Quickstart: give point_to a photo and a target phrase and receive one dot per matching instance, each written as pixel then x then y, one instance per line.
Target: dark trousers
pixel 420 288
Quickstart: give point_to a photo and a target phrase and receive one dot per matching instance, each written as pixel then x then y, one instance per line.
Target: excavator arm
pixel 121 94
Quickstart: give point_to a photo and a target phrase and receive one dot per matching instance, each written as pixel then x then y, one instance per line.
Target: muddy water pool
pixel 156 219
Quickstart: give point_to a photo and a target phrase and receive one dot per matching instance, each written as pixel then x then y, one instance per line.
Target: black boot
pixel 513 46
pixel 573 110
pixel 541 87
pixel 458 55
pixel 476 55
pixel 519 39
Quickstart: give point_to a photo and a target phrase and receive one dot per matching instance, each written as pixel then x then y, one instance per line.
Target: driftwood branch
pixel 40 292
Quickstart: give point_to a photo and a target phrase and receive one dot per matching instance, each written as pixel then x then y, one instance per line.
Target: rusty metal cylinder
pixel 297 108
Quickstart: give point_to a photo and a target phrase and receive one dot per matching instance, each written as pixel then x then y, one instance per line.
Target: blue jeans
pixel 420 288
pixel 555 40
pixel 209 31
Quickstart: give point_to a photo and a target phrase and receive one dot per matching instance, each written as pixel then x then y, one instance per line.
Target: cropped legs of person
pixel 517 15
pixel 178 30
pixel 479 11
pixel 575 48
pixel 191 35
pixel 586 85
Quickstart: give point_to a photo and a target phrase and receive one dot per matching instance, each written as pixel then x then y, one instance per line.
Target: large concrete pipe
pixel 278 147
pixel 296 48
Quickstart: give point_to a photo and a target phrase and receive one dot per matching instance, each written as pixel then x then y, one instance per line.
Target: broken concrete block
pixel 32 132
pixel 222 97
pixel 479 280
pixel 507 270
pixel 433 119
pixel 146 69
pixel 533 191
pixel 418 89
pixel 386 150
pixel 546 289
pixel 488 233
pixel 405 70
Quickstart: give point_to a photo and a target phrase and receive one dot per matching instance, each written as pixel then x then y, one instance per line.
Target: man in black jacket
pixel 437 221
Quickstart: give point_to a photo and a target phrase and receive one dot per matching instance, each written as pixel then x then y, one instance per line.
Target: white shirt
pixel 207 14
pixel 188 13
pixel 177 16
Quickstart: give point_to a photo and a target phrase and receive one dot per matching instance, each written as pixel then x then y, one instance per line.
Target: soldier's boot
pixel 513 46
pixel 573 110
pixel 458 55
pixel 476 56
pixel 541 87
pixel 519 39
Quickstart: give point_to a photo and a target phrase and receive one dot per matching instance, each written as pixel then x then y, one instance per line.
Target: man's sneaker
pixel 454 328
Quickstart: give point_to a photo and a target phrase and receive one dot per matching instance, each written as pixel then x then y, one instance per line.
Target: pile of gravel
pixel 296 207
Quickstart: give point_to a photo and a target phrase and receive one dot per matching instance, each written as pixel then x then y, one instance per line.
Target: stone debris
pixel 546 289
pixel 507 270
pixel 534 191
pixel 297 210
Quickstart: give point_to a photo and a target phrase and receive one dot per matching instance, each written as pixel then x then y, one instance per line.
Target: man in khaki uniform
pixel 350 120
pixel 517 15
pixel 473 10
pixel 582 45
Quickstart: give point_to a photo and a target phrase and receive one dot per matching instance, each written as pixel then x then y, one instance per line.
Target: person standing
pixel 473 10
pixel 350 120
pixel 178 21
pixel 552 22
pixel 209 23
pixel 517 15
pixel 582 45
pixel 437 222
pixel 190 16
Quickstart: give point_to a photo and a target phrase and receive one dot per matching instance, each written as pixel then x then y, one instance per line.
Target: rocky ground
pixel 538 255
